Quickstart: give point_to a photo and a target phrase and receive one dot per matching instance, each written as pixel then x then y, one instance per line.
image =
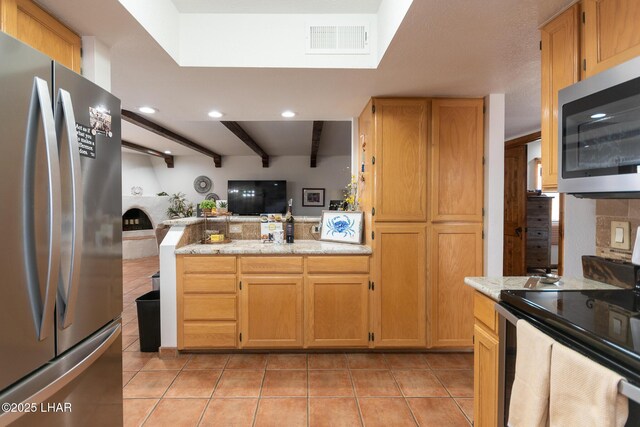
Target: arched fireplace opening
pixel 135 219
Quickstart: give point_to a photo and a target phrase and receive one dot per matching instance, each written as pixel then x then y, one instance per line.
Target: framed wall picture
pixel 313 197
pixel 341 226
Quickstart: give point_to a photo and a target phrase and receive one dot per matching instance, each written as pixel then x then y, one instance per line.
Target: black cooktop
pixel 606 322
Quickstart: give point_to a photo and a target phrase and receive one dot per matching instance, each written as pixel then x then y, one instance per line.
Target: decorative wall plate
pixel 212 196
pixel 202 184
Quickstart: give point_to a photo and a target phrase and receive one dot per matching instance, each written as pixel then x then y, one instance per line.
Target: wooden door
pixel 456 252
pixel 560 68
pixel 611 33
pixel 337 311
pixel 271 311
pixel 515 205
pixel 399 288
pixel 401 159
pixel 456 162
pixel 26 21
pixel 485 382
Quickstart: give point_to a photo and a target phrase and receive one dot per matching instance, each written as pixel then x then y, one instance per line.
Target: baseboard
pixel 168 352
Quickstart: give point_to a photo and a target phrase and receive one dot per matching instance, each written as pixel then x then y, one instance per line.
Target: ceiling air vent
pixel 337 39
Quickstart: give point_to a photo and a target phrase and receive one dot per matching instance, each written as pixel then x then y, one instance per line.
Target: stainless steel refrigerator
pixel 61 262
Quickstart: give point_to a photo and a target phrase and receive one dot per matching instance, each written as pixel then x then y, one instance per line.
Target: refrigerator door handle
pixel 69 294
pixel 45 383
pixel 42 309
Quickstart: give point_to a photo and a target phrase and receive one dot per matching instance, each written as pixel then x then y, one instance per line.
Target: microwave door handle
pixel 42 309
pixel 65 116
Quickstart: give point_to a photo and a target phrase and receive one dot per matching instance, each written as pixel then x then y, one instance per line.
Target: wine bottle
pixel 289 221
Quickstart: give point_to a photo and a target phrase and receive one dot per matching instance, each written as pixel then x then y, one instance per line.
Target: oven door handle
pixel 510 317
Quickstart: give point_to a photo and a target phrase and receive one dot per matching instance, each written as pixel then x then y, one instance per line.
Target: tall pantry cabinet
pixel 420 187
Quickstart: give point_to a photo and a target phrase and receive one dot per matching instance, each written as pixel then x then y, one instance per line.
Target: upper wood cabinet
pixel 456 160
pixel 611 33
pixel 27 22
pixel 271 311
pixel 456 252
pixel 560 68
pixel 337 311
pixel 400 159
pixel 399 287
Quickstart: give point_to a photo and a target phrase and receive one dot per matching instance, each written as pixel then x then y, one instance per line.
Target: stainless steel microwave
pixel 599 134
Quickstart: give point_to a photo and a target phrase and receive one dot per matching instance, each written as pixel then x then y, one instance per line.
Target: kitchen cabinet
pixel 206 302
pixel 560 68
pixel 271 311
pixel 456 252
pixel 456 163
pixel 485 362
pixel 400 139
pixel 400 284
pixel 337 311
pixel 26 21
pixel 611 33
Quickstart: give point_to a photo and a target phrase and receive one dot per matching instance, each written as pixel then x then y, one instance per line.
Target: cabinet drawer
pixel 538 221
pixel 537 234
pixel 209 334
pixel 484 312
pixel 338 264
pixel 208 283
pixel 271 264
pixel 209 264
pixel 538 207
pixel 209 307
pixel 537 245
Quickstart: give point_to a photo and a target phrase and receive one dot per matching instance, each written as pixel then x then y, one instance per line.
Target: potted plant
pixel 179 207
pixel 222 206
pixel 208 206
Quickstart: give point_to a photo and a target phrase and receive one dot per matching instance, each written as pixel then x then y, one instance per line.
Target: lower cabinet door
pixel 271 311
pixel 337 311
pixel 485 381
pixel 399 285
pixel 456 253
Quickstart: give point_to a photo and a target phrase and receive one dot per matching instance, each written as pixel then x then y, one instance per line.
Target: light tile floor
pixel 286 390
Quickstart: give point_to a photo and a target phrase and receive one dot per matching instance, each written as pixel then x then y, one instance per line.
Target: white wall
pixel 96 62
pixel 534 149
pixel 493 184
pixel 332 174
pixel 137 171
pixel 579 233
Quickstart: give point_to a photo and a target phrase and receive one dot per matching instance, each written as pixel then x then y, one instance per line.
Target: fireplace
pixel 140 216
pixel 135 219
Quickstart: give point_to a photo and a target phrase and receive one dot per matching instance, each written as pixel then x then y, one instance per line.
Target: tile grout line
pixel 404 397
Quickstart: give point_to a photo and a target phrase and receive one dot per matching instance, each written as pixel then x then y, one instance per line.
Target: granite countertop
pixel 491 286
pixel 256 247
pixel 233 218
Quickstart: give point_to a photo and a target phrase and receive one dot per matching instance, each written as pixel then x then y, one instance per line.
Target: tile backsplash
pixel 608 210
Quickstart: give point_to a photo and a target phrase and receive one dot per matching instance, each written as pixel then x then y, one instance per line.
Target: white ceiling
pixel 442 48
pixel 281 138
pixel 277 6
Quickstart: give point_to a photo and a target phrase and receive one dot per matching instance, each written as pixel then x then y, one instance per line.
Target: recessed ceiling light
pixel 598 115
pixel 147 110
pixel 288 114
pixel 167 152
pixel 215 114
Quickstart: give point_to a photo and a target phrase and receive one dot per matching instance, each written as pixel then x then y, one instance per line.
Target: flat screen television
pixel 257 197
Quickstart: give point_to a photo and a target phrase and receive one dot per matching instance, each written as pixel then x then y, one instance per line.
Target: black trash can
pixel 148 306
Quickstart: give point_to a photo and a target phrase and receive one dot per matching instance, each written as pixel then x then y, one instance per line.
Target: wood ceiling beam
pixel 315 141
pixel 522 140
pixel 147 124
pixel 237 130
pixel 168 158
